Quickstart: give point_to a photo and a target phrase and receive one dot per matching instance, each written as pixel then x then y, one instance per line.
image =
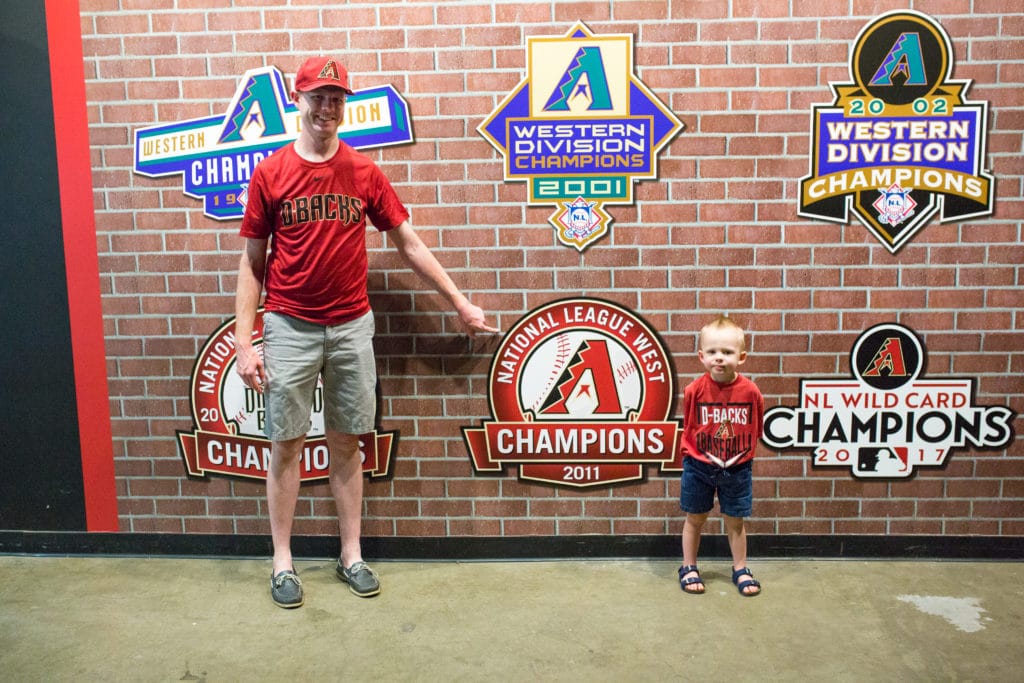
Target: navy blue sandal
pixel 743 585
pixel 683 583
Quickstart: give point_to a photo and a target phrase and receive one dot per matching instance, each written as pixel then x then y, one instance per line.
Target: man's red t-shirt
pixel 315 214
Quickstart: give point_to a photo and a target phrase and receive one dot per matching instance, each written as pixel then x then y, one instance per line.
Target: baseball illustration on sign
pixel 228 436
pixel 889 420
pixel 581 391
pixel 591 374
pixel 899 144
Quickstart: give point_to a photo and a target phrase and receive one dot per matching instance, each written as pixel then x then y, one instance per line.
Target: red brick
pixel 716 231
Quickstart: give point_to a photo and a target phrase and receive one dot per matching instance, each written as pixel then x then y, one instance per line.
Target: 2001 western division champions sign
pixel 579 129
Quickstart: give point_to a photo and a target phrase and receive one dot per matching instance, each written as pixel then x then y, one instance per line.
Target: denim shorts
pixel 296 353
pixel 700 482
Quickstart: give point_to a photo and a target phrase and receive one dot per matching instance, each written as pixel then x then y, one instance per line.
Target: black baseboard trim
pixel 517 547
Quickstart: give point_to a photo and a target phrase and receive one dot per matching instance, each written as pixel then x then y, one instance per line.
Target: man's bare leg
pixel 347 486
pixel 283 479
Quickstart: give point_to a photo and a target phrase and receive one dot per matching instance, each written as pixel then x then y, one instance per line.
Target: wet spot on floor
pixel 963 613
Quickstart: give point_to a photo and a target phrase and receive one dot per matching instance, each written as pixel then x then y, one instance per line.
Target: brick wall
pixel 718 232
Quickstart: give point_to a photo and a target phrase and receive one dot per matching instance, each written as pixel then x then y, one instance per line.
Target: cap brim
pixel 322 84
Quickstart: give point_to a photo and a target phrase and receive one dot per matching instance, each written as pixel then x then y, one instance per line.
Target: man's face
pixel 321 110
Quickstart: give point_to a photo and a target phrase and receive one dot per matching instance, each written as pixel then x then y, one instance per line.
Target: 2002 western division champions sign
pixel 900 143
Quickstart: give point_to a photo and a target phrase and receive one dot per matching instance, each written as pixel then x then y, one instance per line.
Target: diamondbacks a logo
pixel 330 71
pixel 216 155
pixel 899 144
pixel 725 431
pixel 579 130
pixel 888 420
pixel 581 391
pixel 228 421
pixel 723 446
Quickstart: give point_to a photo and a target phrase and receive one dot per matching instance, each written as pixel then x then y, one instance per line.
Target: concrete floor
pixel 169 619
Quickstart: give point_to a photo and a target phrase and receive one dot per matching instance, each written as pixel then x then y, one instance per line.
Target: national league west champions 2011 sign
pixel 581 392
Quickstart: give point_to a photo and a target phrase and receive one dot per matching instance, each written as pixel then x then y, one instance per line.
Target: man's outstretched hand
pixel 473 319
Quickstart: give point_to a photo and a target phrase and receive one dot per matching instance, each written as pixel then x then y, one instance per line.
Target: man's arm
pixel 251 269
pixel 424 264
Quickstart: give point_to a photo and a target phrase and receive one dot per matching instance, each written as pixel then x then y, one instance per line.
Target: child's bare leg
pixel 736 531
pixel 692 529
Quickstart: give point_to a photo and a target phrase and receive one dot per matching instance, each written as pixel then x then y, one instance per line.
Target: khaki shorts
pixel 296 353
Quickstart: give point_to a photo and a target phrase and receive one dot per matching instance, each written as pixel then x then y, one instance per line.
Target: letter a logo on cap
pixel 330 71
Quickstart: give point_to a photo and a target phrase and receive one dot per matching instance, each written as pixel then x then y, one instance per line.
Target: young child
pixel 723 416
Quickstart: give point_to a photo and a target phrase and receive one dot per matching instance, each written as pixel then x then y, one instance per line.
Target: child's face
pixel 721 351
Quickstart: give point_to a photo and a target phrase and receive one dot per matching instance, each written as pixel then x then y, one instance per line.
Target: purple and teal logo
pixel 216 155
pixel 900 144
pixel 579 130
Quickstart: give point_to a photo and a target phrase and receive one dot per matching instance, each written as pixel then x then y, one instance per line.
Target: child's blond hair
pixel 723 322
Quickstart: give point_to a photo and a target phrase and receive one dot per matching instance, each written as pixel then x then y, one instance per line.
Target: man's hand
pixel 472 317
pixel 249 366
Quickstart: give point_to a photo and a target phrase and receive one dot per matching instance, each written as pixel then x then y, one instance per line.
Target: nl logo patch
pixel 579 129
pixel 899 144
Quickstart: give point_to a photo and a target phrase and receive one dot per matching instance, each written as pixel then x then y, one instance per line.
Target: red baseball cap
pixel 318 72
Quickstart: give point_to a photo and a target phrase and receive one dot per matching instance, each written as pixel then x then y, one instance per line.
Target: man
pixel 313 197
